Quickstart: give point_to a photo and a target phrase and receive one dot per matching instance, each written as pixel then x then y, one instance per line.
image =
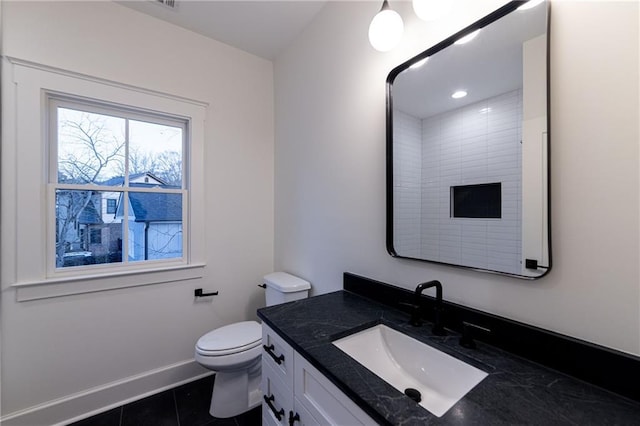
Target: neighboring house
pixel 110 199
pixel 155 219
pixel 155 224
pixel 111 204
pixel 95 235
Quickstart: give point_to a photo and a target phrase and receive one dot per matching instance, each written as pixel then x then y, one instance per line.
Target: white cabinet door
pixel 296 394
pixel 324 401
pixel 301 417
pixel 277 396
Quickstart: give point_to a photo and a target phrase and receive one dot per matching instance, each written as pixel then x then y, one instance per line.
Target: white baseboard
pixel 102 398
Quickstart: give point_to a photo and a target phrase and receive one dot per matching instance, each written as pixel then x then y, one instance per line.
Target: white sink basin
pixel 404 362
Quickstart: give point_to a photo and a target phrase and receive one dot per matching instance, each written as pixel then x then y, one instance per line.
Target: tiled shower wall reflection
pixel 479 143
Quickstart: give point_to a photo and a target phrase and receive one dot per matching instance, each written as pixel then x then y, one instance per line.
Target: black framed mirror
pixel 468 147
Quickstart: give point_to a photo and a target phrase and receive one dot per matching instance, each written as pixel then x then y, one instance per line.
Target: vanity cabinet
pixel 296 393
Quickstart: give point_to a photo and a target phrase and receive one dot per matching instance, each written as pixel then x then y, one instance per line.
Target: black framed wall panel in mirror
pixel 467 129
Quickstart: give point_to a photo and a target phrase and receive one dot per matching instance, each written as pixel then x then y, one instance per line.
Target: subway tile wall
pixel 407 170
pixel 479 143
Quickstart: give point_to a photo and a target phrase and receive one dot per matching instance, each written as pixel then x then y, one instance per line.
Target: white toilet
pixel 234 351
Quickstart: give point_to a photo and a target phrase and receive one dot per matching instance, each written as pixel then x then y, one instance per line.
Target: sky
pixel 76 127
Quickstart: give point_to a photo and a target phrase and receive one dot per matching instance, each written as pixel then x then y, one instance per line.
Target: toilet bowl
pixel 234 352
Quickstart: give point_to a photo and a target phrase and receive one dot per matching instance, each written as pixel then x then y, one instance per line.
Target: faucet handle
pixel 466 340
pixel 438 328
pixel 415 320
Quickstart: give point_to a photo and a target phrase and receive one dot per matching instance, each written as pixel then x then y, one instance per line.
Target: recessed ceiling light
pixel 530 4
pixel 459 94
pixel 468 37
pixel 419 63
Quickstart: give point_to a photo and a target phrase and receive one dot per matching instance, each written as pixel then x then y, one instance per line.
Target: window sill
pixel 68 286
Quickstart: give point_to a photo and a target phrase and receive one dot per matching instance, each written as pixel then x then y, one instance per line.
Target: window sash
pixel 103 108
pixel 125 264
pixel 56 101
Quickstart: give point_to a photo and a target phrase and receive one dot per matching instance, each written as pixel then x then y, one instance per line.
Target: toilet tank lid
pixel 285 282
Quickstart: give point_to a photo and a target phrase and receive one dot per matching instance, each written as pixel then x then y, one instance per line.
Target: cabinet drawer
pixel 300 414
pixel 324 401
pixel 267 420
pixel 280 396
pixel 278 354
pixel 283 398
pixel 304 417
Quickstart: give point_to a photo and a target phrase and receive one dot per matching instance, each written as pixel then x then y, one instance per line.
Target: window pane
pixel 85 233
pixel 112 204
pixel 155 226
pixel 156 150
pixel 91 148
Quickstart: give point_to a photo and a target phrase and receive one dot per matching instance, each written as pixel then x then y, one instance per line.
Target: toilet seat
pixel 234 352
pixel 230 339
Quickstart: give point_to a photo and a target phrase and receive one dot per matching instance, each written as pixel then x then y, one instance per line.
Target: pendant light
pixel 386 28
pixel 431 10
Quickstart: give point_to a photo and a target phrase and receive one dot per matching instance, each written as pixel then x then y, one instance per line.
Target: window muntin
pixel 117 173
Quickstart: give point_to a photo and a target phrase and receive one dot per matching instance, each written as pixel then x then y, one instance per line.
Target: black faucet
pixel 415 320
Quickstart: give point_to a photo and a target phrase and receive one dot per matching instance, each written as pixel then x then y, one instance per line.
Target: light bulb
pixel 385 30
pixel 459 94
pixel 431 10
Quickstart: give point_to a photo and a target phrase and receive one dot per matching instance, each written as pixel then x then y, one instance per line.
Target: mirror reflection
pixel 468 148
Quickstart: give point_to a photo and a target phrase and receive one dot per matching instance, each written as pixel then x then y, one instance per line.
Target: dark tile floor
pixel 186 405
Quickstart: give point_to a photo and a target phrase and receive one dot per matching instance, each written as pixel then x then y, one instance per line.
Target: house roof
pixel 156 207
pixel 89 215
pixel 119 180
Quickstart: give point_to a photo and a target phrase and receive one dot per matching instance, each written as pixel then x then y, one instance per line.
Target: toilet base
pixel 236 392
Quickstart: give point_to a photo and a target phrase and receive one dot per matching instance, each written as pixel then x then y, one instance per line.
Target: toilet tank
pixel 283 287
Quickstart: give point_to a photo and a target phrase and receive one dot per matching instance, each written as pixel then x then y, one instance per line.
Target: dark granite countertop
pixel 516 391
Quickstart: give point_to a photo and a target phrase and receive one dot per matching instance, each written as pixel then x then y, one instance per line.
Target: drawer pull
pixel 276 413
pixel 293 419
pixel 269 349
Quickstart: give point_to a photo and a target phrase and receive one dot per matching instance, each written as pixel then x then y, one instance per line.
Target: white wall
pixel 64 347
pixel 330 167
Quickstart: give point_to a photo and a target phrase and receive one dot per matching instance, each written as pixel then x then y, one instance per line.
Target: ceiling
pixel 261 27
pixel 488 65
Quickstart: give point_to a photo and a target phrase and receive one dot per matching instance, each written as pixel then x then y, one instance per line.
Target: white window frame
pixel 26 188
pixel 55 101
